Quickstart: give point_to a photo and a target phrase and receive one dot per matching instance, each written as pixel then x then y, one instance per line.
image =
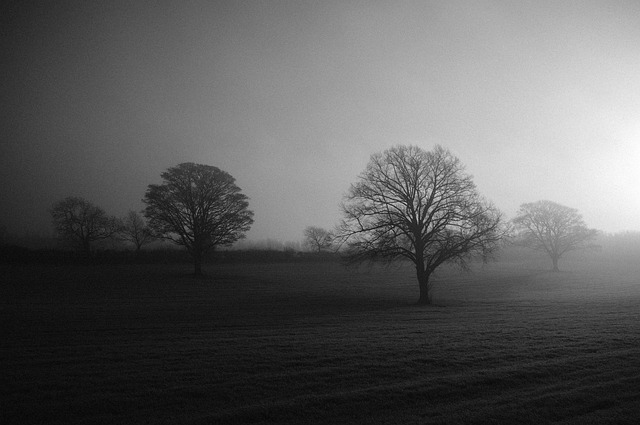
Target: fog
pixel 540 100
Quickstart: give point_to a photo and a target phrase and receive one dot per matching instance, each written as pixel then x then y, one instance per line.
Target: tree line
pixel 408 203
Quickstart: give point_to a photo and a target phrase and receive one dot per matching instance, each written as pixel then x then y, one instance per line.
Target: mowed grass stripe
pixel 477 367
pixel 526 388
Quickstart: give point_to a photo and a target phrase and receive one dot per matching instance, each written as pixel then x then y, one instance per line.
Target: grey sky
pixel 540 100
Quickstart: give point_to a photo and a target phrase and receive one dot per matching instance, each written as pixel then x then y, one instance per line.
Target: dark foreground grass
pixel 317 343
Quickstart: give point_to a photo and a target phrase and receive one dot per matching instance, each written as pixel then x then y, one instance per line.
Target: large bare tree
pixel 552 228
pixel 419 205
pixel 197 206
pixel 80 223
pixel 318 239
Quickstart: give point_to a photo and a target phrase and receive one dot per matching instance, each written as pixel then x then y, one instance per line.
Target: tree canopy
pixel 197 206
pixel 419 205
pixel 552 228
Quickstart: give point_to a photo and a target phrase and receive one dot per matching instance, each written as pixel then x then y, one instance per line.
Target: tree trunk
pixel 423 282
pixel 197 263
pixel 555 263
pixel 86 248
pixel 136 254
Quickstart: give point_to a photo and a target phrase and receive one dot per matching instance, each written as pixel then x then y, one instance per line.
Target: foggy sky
pixel 540 100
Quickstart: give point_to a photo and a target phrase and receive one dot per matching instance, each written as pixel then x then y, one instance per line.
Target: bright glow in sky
pixel 540 100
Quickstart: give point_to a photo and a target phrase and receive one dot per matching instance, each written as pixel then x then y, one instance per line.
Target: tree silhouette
pixel 317 239
pixel 80 223
pixel 419 205
pixel 199 207
pixel 552 228
pixel 134 229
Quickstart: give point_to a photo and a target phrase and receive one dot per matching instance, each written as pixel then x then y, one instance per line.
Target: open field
pixel 318 343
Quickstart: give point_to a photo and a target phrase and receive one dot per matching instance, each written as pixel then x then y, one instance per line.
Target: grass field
pixel 318 343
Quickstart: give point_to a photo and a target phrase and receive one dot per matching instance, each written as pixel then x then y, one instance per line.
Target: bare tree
pixel 318 239
pixel 134 229
pixel 552 228
pixel 418 205
pixel 199 207
pixel 80 223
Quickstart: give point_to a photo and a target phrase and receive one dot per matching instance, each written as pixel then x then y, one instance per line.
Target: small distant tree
pixel 199 207
pixel 421 206
pixel 552 228
pixel 317 239
pixel 80 223
pixel 134 229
